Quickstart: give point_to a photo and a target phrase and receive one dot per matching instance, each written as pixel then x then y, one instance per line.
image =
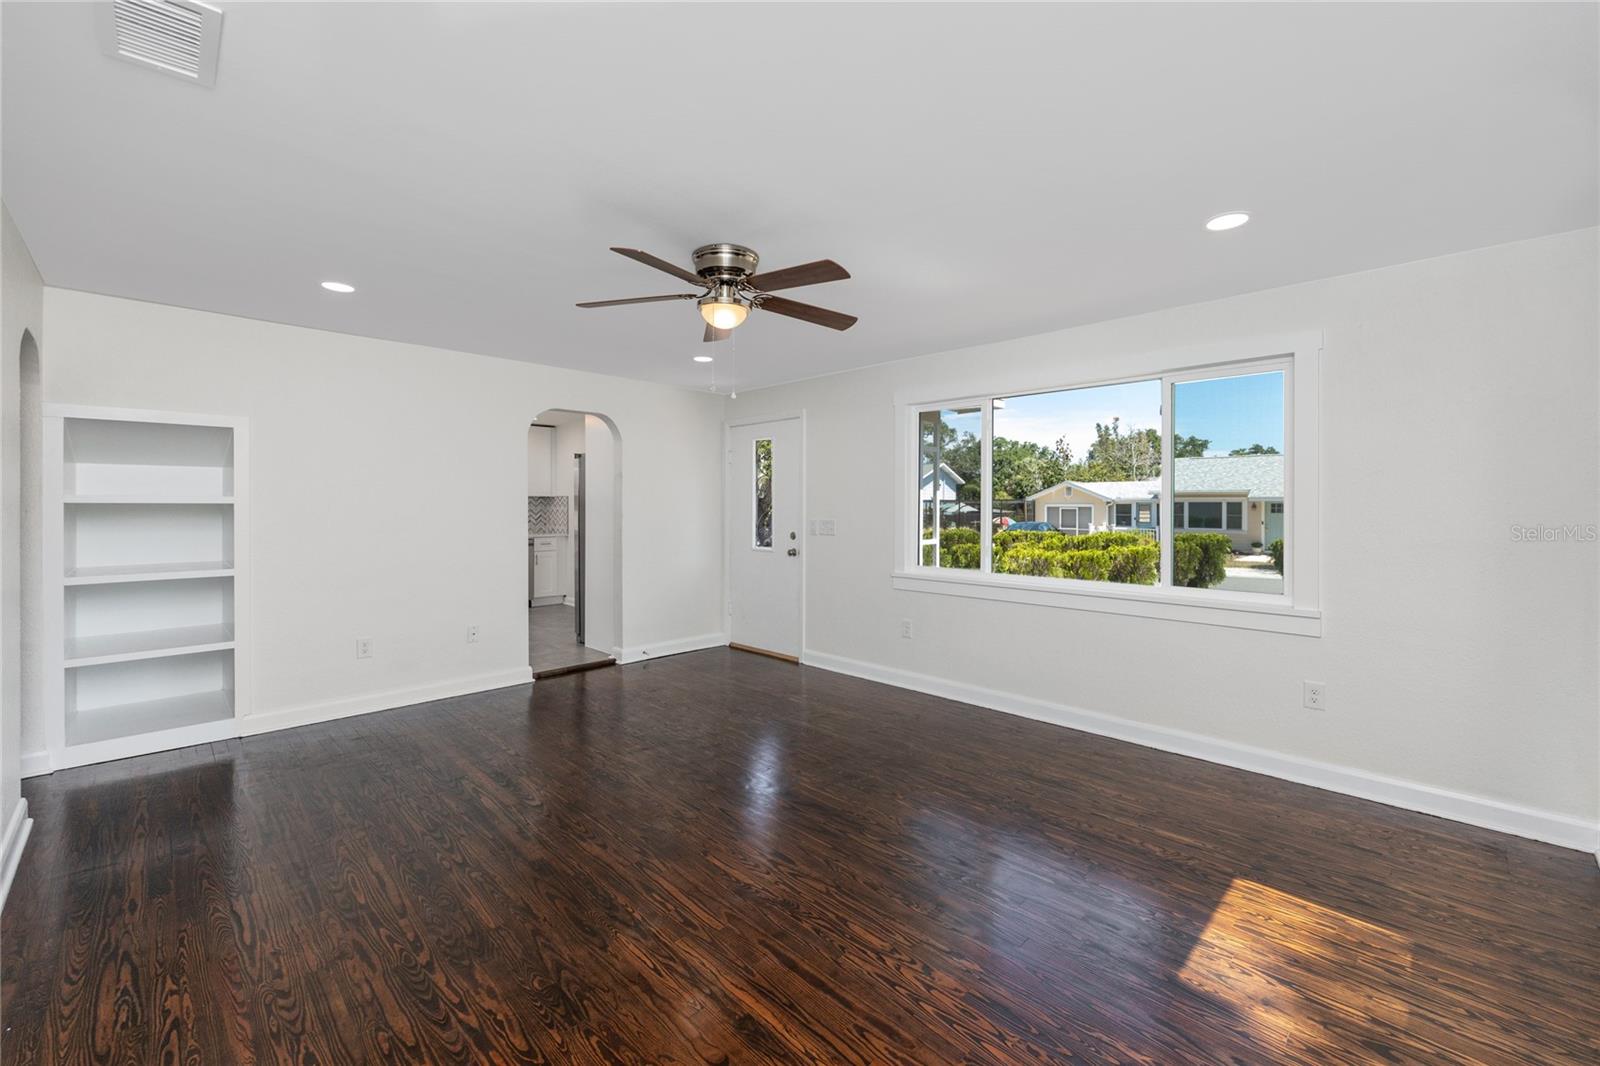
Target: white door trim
pixel 728 426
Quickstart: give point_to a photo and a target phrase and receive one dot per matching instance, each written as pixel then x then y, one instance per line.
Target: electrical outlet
pixel 1316 696
pixel 905 628
pixel 363 647
pixel 472 634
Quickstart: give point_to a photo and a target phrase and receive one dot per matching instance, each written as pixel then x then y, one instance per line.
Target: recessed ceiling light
pixel 1228 220
pixel 702 358
pixel 338 286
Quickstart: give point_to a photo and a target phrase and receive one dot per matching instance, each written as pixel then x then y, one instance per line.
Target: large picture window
pixel 1070 488
pixel 1067 468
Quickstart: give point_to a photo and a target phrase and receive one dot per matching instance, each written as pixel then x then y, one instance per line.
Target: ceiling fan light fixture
pixel 723 308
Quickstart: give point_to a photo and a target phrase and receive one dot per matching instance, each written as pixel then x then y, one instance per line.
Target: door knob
pixel 794 551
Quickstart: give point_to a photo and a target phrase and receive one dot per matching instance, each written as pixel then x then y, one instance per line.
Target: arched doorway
pixel 30 520
pixel 574 542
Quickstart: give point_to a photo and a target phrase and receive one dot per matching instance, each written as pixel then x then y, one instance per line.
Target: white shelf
pixel 108 575
pixel 151 716
pixel 223 501
pixel 151 644
pixel 146 606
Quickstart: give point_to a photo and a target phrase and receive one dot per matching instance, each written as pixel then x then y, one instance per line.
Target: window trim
pixel 755 495
pixel 1295 611
pixel 1079 508
pixel 1244 514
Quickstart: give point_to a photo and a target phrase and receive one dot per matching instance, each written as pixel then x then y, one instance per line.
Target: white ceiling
pixel 983 171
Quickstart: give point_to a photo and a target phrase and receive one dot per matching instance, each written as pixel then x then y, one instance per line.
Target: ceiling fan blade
pixel 795 276
pixel 715 334
pixel 660 264
pixel 820 316
pixel 641 300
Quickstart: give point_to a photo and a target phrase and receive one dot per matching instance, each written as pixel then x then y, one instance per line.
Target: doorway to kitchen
pixel 574 543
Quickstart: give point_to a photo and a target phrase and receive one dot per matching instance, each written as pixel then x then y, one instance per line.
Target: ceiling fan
pixel 731 287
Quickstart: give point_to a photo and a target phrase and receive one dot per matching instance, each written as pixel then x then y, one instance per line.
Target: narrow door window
pixel 762 487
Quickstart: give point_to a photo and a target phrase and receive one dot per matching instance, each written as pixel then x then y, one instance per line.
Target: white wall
pixel 21 312
pixel 1459 396
pixel 602 478
pixel 388 493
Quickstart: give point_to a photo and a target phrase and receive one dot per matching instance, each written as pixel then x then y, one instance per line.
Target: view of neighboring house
pixel 950 483
pixel 1240 495
pixel 952 510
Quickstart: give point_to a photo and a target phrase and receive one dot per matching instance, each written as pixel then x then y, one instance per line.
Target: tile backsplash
pixel 547 516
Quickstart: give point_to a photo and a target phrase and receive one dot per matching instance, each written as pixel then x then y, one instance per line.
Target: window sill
pixel 1233 609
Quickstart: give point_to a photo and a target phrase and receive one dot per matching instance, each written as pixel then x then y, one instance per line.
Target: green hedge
pixel 1133 564
pixel 1049 540
pixel 1199 560
pixel 958 548
pixel 1275 549
pixel 1126 557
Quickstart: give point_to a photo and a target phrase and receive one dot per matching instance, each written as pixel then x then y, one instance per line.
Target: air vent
pixel 177 37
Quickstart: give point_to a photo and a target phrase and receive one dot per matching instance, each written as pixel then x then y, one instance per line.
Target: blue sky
pixel 1231 412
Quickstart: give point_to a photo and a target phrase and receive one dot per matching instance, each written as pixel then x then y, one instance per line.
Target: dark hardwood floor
pixel 719 857
pixel 553 647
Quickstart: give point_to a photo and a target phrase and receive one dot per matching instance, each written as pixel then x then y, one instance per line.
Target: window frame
pixel 1295 610
pixel 1079 508
pixel 755 496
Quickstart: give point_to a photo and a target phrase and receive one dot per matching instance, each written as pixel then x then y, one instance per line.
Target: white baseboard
pixel 671 647
pixel 332 710
pixel 35 763
pixel 16 839
pixel 1548 826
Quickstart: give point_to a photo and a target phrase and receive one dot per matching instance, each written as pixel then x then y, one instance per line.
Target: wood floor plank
pixel 722 858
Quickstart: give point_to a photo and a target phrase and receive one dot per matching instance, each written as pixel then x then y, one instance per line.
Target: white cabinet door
pixel 541 447
pixel 546 574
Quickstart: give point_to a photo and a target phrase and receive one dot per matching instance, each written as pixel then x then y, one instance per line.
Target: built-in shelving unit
pixel 145 553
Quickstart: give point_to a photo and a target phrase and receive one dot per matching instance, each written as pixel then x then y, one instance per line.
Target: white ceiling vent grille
pixel 177 37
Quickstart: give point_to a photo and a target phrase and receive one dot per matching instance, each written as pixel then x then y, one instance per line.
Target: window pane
pixel 1062 460
pixel 763 493
pixel 950 487
pixel 1229 441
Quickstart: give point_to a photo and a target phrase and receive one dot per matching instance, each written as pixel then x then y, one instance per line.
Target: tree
pixel 1189 447
pixel 1118 456
pixel 1255 449
pixel 1022 468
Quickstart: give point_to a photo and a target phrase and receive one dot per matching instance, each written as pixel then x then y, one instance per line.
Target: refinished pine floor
pixel 723 858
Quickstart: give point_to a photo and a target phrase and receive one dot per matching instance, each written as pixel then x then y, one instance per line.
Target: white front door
pixel 763 531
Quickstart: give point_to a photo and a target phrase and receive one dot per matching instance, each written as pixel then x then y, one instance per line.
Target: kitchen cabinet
pixel 544 568
pixel 541 456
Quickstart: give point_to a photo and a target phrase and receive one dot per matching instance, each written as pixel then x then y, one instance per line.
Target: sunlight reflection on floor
pixel 1297 971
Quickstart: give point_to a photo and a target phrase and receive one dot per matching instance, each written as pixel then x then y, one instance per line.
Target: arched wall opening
pixel 574 527
pixel 30 522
